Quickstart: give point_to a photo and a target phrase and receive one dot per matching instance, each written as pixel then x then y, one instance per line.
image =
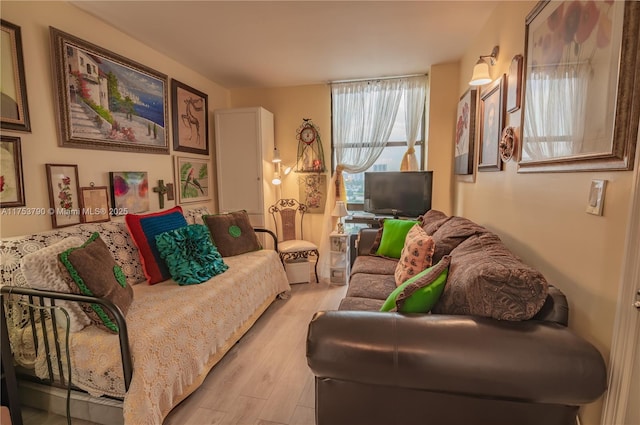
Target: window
pixel 389 160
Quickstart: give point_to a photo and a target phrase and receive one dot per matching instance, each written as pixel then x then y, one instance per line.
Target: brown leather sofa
pixel 376 367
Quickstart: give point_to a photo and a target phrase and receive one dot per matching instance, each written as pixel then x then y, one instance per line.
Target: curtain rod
pixel 356 80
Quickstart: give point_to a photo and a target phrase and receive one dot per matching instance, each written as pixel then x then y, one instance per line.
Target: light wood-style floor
pixel 264 379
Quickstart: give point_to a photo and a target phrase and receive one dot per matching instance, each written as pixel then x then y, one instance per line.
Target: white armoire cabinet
pixel 244 151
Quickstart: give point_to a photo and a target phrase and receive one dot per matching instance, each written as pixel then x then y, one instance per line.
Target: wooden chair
pixel 288 215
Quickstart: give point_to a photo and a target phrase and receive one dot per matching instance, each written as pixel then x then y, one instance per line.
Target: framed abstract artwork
pixel 581 87
pixel 11 180
pixel 491 124
pixel 190 112
pixel 94 201
pixel 193 178
pixel 14 111
pixel 64 194
pixel 465 132
pixel 129 192
pixel 106 101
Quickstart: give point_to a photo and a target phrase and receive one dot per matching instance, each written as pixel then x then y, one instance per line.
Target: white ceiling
pixel 287 43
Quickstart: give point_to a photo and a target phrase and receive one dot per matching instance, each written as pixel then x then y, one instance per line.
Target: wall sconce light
pixel 277 180
pixel 276 155
pixel 287 169
pixel 481 73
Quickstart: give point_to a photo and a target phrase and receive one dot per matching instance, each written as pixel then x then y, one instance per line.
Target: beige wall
pixel 542 218
pixel 41 145
pixel 289 106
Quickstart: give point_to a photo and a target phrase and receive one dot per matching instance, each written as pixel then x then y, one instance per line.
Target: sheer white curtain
pixel 414 100
pixel 363 117
pixel 555 108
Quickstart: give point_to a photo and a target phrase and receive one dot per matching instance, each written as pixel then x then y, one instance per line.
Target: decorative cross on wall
pixel 163 189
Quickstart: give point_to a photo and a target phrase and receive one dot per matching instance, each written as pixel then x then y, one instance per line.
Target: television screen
pixel 398 193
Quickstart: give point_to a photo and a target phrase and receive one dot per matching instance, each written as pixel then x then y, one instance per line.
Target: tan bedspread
pixel 176 333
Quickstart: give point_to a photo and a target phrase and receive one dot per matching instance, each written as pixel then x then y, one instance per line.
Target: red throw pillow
pixel 144 228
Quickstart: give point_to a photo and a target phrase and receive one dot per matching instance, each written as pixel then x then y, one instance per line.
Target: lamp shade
pixel 340 210
pixel 480 74
pixel 276 155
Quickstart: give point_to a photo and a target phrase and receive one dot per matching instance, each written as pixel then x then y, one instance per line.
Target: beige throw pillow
pixel 416 256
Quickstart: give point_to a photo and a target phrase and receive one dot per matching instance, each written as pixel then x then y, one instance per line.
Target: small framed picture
pixel 129 192
pixel 192 179
pixel 190 109
pixel 491 122
pixel 94 201
pixel 465 132
pixel 64 194
pixel 11 180
pixel 514 82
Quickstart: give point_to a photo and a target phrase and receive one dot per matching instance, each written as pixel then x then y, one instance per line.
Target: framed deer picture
pixel 190 109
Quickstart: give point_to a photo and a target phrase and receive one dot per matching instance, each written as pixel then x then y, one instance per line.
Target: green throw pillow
pixel 420 293
pixel 394 232
pixel 189 254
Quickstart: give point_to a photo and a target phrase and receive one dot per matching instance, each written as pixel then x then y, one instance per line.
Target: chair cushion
pixel 296 245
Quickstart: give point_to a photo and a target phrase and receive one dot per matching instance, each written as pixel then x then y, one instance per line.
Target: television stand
pixel 371 220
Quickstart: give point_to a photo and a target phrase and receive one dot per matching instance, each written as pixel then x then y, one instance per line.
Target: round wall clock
pixel 310 157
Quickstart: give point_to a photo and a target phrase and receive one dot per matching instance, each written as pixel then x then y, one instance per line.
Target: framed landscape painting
pixel 14 112
pixel 11 180
pixel 64 194
pixel 190 110
pixel 465 132
pixel 106 101
pixel 193 179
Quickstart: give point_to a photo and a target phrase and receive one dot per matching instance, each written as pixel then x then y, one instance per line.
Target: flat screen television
pixel 398 193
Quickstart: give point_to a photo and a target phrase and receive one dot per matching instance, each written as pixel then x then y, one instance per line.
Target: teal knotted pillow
pixel 189 254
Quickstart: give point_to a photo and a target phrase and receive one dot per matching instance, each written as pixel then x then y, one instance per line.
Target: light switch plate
pixel 596 197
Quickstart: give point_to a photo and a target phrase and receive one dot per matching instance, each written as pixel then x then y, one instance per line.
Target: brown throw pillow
pixel 486 279
pixel 232 233
pixel 91 270
pixel 417 255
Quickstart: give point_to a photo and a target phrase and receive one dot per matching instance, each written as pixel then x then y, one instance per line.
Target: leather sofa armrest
pixel 532 361
pixel 366 237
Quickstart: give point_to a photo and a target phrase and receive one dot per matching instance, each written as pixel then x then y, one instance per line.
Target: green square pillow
pixel 232 233
pixel 91 270
pixel 190 255
pixel 394 232
pixel 420 293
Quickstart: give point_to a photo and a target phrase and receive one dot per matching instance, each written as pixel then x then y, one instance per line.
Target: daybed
pixel 175 334
pixel 495 350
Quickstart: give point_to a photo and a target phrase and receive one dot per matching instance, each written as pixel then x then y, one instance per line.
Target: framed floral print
pixel 465 132
pixel 190 112
pixel 14 111
pixel 581 87
pixel 106 101
pixel 11 179
pixel 491 125
pixel 64 194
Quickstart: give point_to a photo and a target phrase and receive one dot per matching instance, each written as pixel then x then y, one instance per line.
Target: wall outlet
pixel 596 197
